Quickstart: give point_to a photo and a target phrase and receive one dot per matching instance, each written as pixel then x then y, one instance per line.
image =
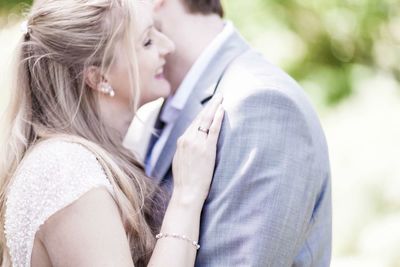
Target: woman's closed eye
pixel 148 43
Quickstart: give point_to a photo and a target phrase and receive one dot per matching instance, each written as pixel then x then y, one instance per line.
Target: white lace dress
pixel 54 175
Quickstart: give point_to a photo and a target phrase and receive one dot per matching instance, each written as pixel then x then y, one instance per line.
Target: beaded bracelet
pixel 181 237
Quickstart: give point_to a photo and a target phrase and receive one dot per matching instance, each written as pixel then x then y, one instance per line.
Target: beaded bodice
pixel 52 176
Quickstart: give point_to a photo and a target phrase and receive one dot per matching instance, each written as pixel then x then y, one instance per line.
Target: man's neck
pixel 203 32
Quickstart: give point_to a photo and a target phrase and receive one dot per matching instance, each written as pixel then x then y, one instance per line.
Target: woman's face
pixel 151 48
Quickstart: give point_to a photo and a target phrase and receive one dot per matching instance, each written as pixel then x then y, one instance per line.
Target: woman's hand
pixel 194 160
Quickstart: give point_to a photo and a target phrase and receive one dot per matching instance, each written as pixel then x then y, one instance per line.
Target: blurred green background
pixel 346 55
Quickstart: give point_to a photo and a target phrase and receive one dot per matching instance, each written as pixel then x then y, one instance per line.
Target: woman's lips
pixel 160 74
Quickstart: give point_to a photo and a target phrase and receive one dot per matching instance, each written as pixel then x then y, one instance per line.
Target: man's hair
pixel 205 6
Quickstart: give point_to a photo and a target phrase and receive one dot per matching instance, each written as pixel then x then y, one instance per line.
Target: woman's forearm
pixel 193 166
pixel 183 218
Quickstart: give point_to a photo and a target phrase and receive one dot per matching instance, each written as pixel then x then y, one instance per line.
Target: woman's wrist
pixel 182 216
pixel 186 200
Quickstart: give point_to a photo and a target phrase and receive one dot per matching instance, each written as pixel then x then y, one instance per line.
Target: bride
pixel 71 194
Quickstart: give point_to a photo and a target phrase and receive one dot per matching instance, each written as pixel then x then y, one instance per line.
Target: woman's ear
pixel 93 77
pixel 96 81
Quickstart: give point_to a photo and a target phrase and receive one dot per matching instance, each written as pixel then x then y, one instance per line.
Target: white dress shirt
pixel 176 103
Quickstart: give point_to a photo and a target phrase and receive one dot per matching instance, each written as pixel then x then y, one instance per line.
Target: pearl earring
pixel 107 89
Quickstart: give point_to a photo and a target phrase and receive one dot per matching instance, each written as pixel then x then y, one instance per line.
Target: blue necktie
pixel 158 128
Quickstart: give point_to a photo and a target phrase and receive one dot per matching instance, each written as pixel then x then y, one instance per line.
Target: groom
pixel 270 200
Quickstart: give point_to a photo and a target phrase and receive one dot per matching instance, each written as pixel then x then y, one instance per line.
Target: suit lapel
pixel 203 91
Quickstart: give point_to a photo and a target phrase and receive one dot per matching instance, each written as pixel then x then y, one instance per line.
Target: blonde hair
pixel 51 100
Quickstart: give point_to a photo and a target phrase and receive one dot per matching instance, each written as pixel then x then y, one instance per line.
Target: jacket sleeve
pixel 268 182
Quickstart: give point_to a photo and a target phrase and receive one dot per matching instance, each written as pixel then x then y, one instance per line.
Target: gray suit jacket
pixel 270 199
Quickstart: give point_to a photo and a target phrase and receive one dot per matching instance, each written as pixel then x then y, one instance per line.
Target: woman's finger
pixel 215 127
pixel 206 116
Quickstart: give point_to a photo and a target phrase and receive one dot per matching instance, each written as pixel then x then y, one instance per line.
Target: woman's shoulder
pixel 53 175
pixel 57 168
pixel 56 151
pixel 59 160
